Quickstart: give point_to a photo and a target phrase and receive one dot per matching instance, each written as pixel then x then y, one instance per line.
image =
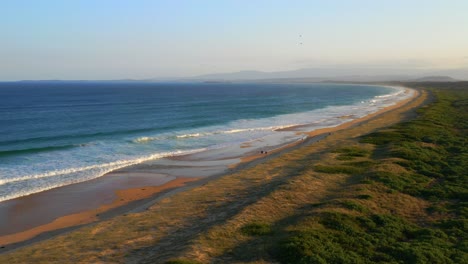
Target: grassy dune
pixel 382 191
pixel 420 163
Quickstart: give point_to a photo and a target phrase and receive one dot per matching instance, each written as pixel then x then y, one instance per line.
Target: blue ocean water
pixel 59 133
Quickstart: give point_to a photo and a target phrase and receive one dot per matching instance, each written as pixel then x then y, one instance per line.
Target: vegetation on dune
pixel 343 238
pixel 429 157
pixel 432 148
pixel 182 261
pixel 349 153
pixel 256 229
pixel 337 169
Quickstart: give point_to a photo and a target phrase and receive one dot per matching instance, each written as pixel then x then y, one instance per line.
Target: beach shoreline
pixel 188 174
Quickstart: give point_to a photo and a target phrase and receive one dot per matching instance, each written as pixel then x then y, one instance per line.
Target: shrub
pixel 182 261
pixel 313 247
pixel 256 229
pixel 353 206
pixel 348 153
pixel 360 164
pixel 336 169
pixel 382 138
pixel 364 196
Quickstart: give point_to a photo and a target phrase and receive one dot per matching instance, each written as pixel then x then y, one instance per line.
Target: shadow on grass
pixel 180 239
pixel 266 246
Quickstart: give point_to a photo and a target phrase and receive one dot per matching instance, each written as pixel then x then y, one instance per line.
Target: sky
pixel 138 39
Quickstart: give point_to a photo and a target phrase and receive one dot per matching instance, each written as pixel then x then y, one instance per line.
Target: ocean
pixel 59 133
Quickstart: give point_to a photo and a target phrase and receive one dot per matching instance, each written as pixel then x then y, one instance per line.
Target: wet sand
pixel 78 204
pixel 26 217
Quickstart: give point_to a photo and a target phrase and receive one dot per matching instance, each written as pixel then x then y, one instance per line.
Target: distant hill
pixel 459 74
pixel 354 74
pixel 240 75
pixel 340 74
pixel 434 79
pixel 312 74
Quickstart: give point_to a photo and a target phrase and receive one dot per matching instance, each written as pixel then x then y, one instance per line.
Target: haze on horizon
pixel 107 39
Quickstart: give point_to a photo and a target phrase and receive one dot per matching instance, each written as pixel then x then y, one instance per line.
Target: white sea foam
pixel 81 173
pixel 193 135
pixel 147 139
pixel 230 131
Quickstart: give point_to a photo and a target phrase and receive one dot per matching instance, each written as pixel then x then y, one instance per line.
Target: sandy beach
pixel 138 186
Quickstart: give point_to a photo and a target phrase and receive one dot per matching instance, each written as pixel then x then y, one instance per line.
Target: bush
pixel 364 196
pixel 382 138
pixel 367 239
pixel 256 229
pixel 182 261
pixel 349 153
pixel 312 247
pixel 360 164
pixel 353 206
pixel 337 169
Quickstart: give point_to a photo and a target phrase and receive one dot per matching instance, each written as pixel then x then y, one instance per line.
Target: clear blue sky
pixel 112 39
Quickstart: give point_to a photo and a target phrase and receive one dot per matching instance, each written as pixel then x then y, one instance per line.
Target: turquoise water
pixel 59 133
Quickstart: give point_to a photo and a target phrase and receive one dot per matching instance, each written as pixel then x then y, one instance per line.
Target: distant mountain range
pixel 435 79
pixel 370 74
pixel 339 74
